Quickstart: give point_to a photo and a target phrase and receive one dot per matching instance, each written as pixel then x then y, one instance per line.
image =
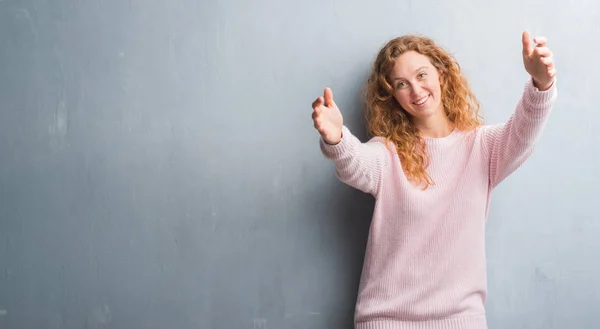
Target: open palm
pixel 327 118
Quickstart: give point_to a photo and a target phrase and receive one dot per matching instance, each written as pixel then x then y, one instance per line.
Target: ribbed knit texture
pixel 425 264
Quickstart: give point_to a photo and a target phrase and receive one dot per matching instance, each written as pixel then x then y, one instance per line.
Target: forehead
pixel 406 64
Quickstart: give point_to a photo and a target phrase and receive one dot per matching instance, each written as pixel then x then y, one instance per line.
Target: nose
pixel 417 90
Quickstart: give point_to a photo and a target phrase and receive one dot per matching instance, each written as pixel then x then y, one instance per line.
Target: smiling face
pixel 417 86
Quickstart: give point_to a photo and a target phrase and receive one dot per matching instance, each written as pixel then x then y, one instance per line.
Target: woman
pixel 431 166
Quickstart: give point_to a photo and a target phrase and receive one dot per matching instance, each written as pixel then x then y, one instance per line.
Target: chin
pixel 424 113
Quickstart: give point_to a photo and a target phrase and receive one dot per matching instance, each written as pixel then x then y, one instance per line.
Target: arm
pixel 510 144
pixel 358 164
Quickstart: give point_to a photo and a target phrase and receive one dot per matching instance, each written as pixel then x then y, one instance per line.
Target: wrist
pixel 542 85
pixel 335 142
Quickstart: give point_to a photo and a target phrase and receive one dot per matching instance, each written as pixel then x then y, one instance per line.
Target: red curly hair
pixel 386 118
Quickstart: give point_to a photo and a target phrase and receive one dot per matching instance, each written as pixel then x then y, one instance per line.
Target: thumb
pixel 329 97
pixel 526 39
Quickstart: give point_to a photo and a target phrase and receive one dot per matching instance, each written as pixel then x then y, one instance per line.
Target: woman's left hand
pixel 538 61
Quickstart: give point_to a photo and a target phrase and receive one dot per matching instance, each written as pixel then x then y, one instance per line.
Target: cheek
pixel 402 98
pixel 436 89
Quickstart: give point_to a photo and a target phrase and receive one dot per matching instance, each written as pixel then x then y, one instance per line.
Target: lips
pixel 421 100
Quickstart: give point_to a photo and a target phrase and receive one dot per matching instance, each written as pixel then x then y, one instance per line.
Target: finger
pixel 543 51
pixel 526 40
pixel 317 103
pixel 552 72
pixel 540 41
pixel 547 60
pixel 328 97
pixel 316 121
pixel 319 128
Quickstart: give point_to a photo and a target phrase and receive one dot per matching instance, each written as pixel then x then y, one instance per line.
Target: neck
pixel 435 127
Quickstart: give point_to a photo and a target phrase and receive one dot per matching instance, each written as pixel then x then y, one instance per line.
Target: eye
pixel 401 84
pixel 422 74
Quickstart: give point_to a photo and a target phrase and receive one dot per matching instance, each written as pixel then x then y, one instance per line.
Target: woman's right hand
pixel 327 118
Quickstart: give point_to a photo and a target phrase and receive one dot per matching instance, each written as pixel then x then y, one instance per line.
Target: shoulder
pixel 479 136
pixel 485 129
pixel 383 143
pixel 480 130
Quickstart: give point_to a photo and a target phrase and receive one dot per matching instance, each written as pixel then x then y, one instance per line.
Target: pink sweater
pixel 425 263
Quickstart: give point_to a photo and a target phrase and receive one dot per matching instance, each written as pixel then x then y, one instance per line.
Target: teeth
pixel 422 100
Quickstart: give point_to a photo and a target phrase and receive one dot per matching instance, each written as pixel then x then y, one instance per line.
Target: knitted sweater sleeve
pixel 358 164
pixel 509 145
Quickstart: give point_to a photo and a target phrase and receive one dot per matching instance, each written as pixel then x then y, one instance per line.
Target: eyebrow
pixel 419 69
